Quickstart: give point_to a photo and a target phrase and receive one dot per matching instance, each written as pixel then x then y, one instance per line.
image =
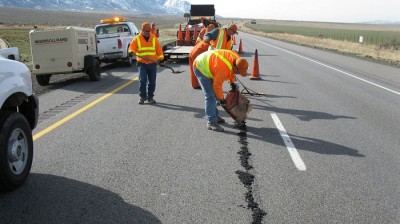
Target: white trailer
pixel 64 51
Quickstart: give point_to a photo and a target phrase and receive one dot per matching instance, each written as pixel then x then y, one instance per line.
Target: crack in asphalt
pixel 247 178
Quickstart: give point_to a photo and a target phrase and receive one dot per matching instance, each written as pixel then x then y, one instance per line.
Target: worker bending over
pixel 221 38
pixel 213 68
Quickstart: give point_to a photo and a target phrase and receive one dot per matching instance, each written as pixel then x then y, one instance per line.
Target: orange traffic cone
pixel 179 40
pixel 188 41
pixel 234 39
pixel 240 51
pixel 255 73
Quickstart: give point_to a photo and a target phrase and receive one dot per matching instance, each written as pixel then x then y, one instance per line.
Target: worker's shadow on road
pixel 54 199
pixel 198 112
pixel 273 136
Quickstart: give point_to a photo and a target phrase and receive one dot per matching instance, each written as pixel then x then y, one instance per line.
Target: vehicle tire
pixel 16 150
pixel 94 70
pixel 43 80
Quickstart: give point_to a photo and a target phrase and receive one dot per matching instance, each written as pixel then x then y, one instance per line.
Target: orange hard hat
pixel 234 28
pixel 242 65
pixel 146 26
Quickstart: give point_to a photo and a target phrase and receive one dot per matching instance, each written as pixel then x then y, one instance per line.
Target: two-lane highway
pixel 321 147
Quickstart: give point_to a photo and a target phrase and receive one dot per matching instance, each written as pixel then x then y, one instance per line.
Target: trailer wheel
pixel 94 70
pixel 43 80
pixel 16 150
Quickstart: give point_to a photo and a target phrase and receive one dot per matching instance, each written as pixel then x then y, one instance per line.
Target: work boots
pixel 215 127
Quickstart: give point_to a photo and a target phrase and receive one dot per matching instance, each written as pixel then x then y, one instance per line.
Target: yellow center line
pixel 83 109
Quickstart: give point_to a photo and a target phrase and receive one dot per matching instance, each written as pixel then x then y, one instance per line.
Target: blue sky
pixel 348 11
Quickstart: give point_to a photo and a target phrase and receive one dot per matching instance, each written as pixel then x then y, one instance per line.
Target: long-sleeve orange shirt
pixel 217 65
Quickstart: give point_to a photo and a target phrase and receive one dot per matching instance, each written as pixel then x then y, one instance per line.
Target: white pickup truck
pixel 19 112
pixel 114 36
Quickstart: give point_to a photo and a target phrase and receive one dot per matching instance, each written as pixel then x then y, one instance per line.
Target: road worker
pixel 203 31
pixel 199 48
pixel 221 38
pixel 213 68
pixel 148 53
pixel 154 30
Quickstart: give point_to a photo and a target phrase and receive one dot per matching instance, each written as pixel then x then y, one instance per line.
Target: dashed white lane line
pixel 298 162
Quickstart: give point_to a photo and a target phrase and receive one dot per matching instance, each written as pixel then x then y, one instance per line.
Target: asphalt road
pixel 322 146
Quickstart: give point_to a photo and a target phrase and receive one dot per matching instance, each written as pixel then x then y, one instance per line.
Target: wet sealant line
pixel 247 178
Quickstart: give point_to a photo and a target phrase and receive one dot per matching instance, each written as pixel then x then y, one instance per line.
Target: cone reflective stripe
pixel 188 41
pixel 179 40
pixel 240 51
pixel 255 73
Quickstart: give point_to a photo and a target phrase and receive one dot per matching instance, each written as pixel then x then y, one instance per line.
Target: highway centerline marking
pixel 83 109
pixel 298 162
pixel 328 66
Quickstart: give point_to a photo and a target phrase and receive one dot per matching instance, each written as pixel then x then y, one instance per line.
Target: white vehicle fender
pixel 14 77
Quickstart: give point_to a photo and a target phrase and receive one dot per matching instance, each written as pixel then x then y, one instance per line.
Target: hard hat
pixel 242 65
pixel 234 28
pixel 146 26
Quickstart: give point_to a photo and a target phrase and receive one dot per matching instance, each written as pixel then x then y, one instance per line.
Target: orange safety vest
pixel 147 52
pixel 222 40
pixel 218 66
pixel 201 35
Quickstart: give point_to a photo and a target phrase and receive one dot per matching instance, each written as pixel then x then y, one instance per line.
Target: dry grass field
pixel 389 55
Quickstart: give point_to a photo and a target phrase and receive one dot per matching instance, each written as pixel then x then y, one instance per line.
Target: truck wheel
pixel 16 150
pixel 43 80
pixel 94 70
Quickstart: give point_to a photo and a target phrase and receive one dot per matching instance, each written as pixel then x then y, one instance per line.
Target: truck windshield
pixel 112 28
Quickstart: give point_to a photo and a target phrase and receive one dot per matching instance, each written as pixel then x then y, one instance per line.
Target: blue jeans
pixel 209 97
pixel 147 80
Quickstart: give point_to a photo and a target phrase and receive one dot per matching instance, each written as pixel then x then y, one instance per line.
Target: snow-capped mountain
pixel 177 7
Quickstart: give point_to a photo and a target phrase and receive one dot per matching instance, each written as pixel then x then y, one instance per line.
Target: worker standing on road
pixel 199 48
pixel 213 68
pixel 148 53
pixel 154 30
pixel 221 38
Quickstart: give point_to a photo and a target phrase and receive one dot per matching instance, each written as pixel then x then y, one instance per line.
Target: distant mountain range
pixel 175 7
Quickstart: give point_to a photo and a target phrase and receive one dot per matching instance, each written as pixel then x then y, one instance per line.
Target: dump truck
pixel 64 51
pixel 200 16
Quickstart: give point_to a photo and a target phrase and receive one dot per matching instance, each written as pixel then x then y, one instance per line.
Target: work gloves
pixel 233 86
pixel 222 103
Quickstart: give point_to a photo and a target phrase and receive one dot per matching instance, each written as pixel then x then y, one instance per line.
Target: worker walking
pixel 148 53
pixel 212 69
pixel 221 38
